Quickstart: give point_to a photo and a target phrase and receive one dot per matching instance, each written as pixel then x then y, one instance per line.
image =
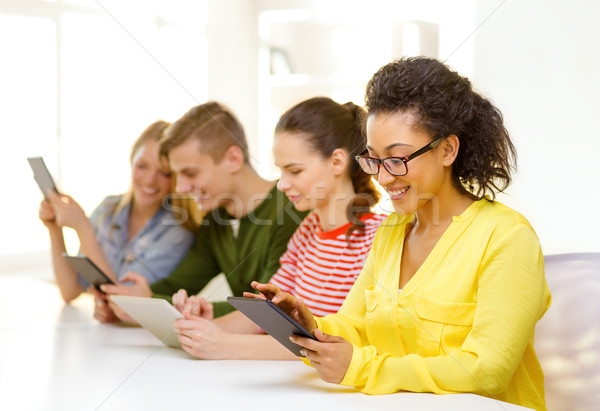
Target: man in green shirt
pixel 247 224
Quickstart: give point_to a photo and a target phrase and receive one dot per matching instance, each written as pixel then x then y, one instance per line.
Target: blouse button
pixel 129 257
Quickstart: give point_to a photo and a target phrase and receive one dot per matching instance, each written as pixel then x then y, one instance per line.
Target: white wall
pixel 539 61
pixel 78 84
pixel 536 59
pixel 232 35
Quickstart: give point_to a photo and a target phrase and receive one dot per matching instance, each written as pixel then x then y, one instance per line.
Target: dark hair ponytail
pixel 366 193
pixel 327 126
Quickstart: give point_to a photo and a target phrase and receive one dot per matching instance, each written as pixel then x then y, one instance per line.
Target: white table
pixel 57 357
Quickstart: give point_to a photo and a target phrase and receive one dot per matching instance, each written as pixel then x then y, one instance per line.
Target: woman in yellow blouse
pixel 454 284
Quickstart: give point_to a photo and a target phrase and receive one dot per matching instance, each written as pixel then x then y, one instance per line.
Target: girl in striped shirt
pixel 315 142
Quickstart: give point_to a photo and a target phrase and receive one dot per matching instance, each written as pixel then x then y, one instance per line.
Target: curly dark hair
pixel 326 126
pixel 443 103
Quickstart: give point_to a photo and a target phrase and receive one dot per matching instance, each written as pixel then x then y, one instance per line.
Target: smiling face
pixel 199 176
pixel 150 177
pixel 307 178
pixel 393 135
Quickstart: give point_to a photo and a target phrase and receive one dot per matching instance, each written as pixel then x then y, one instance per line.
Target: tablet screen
pixel 154 314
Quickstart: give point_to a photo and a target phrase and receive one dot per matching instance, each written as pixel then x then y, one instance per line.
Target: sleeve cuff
pixel 305 361
pixel 319 322
pixel 353 372
pixel 326 326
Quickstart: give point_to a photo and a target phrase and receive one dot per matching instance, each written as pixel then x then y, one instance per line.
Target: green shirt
pixel 253 254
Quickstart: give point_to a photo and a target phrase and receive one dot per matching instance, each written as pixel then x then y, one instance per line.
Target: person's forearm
pixel 257 347
pixel 222 308
pixel 66 276
pixel 90 247
pixel 238 323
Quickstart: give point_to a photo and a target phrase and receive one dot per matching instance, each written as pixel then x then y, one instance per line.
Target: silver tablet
pixel 41 175
pixel 154 314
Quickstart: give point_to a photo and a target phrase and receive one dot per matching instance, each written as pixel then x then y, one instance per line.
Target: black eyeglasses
pixel 396 166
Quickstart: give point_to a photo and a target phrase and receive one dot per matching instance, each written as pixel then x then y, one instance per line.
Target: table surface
pixel 55 356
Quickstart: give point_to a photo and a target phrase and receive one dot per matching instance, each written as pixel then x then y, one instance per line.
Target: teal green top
pixel 254 254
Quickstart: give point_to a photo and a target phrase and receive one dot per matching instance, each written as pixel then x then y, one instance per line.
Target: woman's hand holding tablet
pixel 329 354
pixel 273 320
pixel 286 302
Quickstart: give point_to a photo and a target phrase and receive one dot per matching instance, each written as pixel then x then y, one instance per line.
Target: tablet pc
pixel 41 175
pixel 88 270
pixel 154 314
pixel 272 319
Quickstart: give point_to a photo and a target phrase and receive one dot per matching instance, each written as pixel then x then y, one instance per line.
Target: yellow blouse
pixel 464 323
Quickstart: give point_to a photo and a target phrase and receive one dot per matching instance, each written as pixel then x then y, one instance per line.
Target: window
pixel 83 80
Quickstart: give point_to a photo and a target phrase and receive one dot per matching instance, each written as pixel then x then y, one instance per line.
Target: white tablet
pixel 154 314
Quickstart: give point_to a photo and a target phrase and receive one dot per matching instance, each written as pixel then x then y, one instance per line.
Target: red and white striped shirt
pixel 321 267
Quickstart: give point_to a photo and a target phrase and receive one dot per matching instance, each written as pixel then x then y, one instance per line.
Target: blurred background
pixel 80 80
